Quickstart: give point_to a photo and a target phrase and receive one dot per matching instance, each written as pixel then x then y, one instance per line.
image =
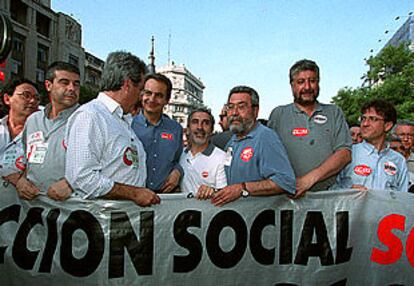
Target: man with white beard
pixel 257 163
pixel 202 162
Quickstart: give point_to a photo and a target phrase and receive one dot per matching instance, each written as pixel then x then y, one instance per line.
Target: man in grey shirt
pixel 43 136
pixel 315 135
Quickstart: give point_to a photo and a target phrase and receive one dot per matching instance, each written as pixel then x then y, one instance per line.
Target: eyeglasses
pixel 27 96
pixel 148 92
pixel 370 118
pixel 407 135
pixel 241 106
pixel 222 116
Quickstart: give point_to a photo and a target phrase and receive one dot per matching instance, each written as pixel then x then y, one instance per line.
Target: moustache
pixel 234 118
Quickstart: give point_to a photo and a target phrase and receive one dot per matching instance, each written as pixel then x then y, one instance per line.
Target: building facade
pixel 186 95
pixel 405 34
pixel 40 37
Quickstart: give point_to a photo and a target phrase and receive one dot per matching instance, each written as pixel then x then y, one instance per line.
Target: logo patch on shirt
pixel 131 157
pixel 204 174
pixel 167 136
pixel 362 170
pixel 247 154
pixel 19 164
pixel 320 119
pixel 390 168
pixel 300 132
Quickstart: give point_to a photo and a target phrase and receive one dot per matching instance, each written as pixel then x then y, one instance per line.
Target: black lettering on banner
pixel 314 223
pixel 340 283
pixel 260 253
pixel 286 284
pixel 122 236
pixel 343 253
pixel 10 213
pixel 82 220
pixel 187 240
pixel 286 237
pixel 51 242
pixel 23 257
pixel 227 218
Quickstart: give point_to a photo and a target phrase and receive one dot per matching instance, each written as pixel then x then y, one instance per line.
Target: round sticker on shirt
pixel 300 132
pixel 19 164
pixel 204 174
pixel 390 168
pixel 247 154
pixel 130 157
pixel 64 145
pixel 320 119
pixel 362 170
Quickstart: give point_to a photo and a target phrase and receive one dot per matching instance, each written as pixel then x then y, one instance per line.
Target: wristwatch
pixel 244 193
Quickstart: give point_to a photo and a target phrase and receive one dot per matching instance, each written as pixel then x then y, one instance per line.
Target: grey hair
pixel 303 65
pixel 402 122
pixel 120 66
pixel 245 89
pixel 201 109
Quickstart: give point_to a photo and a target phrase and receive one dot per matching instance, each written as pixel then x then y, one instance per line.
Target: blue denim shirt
pixel 258 156
pixel 383 170
pixel 163 144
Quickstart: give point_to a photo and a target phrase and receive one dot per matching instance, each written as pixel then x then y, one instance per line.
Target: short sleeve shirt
pixel 204 168
pixel 383 170
pixel 11 151
pixel 258 156
pixel 45 147
pixel 309 141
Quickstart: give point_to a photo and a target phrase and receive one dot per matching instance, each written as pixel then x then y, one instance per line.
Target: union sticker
pixel 204 174
pixel 247 154
pixel 390 168
pixel 300 132
pixel 167 136
pixel 20 164
pixel 320 119
pixel 131 157
pixel 362 170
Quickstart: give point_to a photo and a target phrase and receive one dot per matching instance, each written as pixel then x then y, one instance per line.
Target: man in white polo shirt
pixel 202 162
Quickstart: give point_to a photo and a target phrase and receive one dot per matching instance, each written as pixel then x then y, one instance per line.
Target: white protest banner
pixel 327 238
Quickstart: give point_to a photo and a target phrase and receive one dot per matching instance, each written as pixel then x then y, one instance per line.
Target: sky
pixel 227 42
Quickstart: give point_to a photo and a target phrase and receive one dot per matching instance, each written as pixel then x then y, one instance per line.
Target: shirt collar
pixel 63 114
pixel 369 148
pixel 207 152
pixel 318 108
pixel 143 120
pixel 111 104
pixel 251 134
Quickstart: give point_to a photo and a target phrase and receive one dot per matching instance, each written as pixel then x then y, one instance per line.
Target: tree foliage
pixel 390 77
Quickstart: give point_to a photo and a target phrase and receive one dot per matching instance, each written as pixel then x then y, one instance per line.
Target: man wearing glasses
pixel 21 99
pixel 315 135
pixel 256 163
pixel 220 139
pixel 161 136
pixel 43 136
pixel 405 131
pixel 374 164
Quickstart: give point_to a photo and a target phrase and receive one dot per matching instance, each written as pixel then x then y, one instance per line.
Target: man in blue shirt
pixel 161 136
pixel 374 164
pixel 257 163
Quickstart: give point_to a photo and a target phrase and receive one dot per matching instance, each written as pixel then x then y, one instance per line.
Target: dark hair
pixel 9 89
pixel 120 66
pixel 161 78
pixel 60 66
pixel 245 89
pixel 303 65
pixel 201 109
pixel 383 108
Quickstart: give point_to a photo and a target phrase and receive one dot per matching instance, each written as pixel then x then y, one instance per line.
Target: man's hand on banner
pixel 359 187
pixel 59 190
pixel 303 184
pixel 227 195
pixel 171 182
pixel 26 189
pixel 12 178
pixel 204 192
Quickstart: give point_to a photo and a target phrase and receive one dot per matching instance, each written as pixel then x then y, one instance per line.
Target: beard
pixel 244 125
pixel 199 137
pixel 299 98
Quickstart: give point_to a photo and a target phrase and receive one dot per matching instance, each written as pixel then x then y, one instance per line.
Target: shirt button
pixel 151 184
pixel 155 155
pixel 153 169
pixel 155 141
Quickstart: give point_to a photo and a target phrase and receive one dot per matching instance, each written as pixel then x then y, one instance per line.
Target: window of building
pixel 17 68
pixel 40 75
pixel 74 60
pixel 42 24
pixel 18 11
pixel 42 53
pixel 18 43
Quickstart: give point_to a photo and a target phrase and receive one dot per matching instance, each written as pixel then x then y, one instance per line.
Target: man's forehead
pixel 63 74
pixel 405 127
pixel 240 97
pixel 371 110
pixel 305 73
pixel 200 115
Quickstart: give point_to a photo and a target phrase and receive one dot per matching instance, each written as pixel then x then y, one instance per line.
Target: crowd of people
pixel 122 146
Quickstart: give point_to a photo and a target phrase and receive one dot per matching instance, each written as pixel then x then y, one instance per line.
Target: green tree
pixel 390 77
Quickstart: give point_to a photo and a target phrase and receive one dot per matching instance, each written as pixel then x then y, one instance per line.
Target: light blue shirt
pixel 258 156
pixel 383 170
pixel 163 144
